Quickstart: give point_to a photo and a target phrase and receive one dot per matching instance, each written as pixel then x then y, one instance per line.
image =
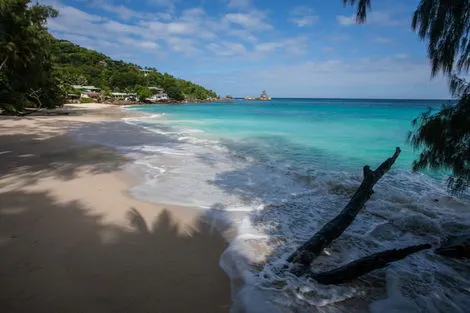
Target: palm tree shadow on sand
pixel 57 257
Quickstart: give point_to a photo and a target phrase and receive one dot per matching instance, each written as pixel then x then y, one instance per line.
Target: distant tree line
pixel 37 70
pixel 76 65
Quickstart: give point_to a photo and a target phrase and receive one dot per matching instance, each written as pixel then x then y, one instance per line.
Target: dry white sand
pixel 89 106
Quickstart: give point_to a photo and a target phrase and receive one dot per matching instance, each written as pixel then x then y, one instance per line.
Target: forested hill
pixel 76 65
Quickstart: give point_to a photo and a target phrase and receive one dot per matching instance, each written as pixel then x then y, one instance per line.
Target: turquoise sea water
pixel 321 132
pixel 277 171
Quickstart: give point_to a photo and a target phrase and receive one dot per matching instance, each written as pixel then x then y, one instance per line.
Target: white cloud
pixel 239 4
pixel 242 34
pixel 268 46
pixel 303 16
pixel 401 56
pixel 305 20
pixel 383 40
pixel 146 45
pixel 194 24
pixel 253 20
pixel 191 33
pixel 186 46
pixel 75 21
pixel 163 3
pixel 121 11
pixel 227 49
pixel 193 14
pixel 346 20
pixel 248 36
pixel 362 72
pixel 338 37
pixel 116 38
pixel 296 46
pixel 379 18
pixel 180 28
pixel 387 77
pixel 91 43
pixel 358 73
pixel 293 46
pixel 120 28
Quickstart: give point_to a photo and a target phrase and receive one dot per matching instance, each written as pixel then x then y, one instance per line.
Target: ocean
pixel 276 171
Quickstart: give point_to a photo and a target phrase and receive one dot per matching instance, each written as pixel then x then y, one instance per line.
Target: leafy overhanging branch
pixel 442 138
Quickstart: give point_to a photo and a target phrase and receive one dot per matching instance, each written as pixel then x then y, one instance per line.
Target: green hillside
pixel 76 65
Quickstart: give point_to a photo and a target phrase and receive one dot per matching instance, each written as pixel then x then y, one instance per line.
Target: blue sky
pixel 296 48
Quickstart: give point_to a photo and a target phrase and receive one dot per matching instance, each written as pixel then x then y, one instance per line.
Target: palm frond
pixel 362 7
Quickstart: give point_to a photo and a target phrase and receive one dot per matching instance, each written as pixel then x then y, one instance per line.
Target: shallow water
pixel 279 170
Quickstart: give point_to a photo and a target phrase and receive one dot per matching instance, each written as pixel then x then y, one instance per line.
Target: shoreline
pixel 73 239
pixel 118 241
pixel 122 103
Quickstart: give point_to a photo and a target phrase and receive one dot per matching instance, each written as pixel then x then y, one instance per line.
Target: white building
pixel 87 91
pixel 86 88
pixel 125 96
pixel 159 95
pixel 146 72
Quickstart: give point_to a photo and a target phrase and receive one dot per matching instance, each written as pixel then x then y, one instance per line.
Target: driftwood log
pixel 457 247
pixel 302 258
pixel 365 265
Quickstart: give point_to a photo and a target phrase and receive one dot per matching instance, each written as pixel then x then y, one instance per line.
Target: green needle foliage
pixel 443 138
pixel 362 7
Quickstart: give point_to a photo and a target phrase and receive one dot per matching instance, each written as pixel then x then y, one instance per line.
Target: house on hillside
pixel 124 96
pixel 91 95
pixel 86 88
pixel 159 94
pixel 87 92
pixel 73 97
pixel 146 72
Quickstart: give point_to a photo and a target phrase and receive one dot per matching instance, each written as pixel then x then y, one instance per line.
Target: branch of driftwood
pixel 301 260
pixel 303 257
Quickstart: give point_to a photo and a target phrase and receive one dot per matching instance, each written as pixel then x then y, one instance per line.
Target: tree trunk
pixel 302 258
pixel 35 95
pixel 3 63
pixel 365 265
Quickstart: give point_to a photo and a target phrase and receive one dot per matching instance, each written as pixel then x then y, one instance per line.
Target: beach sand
pixel 72 240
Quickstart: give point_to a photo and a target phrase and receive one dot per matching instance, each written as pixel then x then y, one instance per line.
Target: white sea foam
pixel 149 117
pixel 276 207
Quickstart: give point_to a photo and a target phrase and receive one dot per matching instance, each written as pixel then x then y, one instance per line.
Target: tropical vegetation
pixel 37 70
pixel 443 138
pixel 26 69
pixel 76 65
